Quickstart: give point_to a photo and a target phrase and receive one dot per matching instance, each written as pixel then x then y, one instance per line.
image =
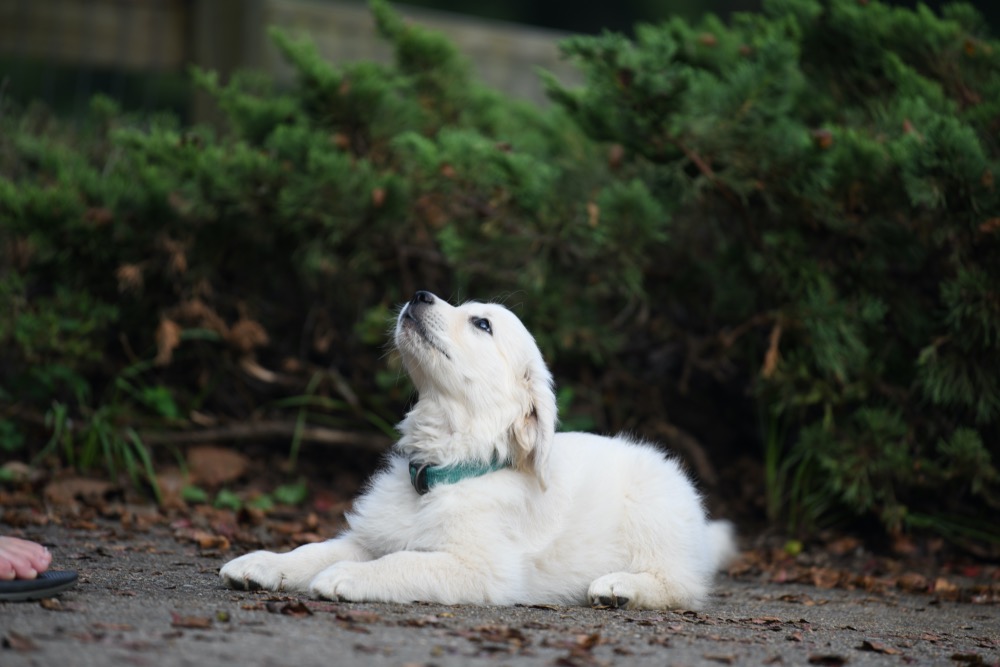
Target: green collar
pixel 423 476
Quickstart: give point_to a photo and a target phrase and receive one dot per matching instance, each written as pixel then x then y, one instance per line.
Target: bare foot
pixel 21 559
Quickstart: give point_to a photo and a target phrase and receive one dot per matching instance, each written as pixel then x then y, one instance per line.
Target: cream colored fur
pixel 577 519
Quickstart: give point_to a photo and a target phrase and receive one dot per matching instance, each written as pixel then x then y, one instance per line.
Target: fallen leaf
pixel 214 466
pixel 72 492
pixel 724 659
pixel 945 589
pixel 912 582
pixel 500 634
pixel 191 622
pixel 827 659
pixel 824 577
pixel 843 545
pixel 54 604
pixel 19 642
pixel 765 620
pixel 295 608
pixel 876 647
pixel 358 616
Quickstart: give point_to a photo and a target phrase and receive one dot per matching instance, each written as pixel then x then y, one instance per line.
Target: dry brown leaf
pixel 989 226
pixel 171 481
pixel 708 39
pixel 168 338
pixel 358 616
pixel 616 154
pixel 823 577
pixel 295 609
pixel 843 545
pixel 912 582
pixel 876 647
pixel 19 642
pixel 129 278
pixel 192 622
pixel 946 589
pixel 823 138
pixel 214 466
pixel 100 216
pixel 247 335
pixel 71 491
pixel 197 312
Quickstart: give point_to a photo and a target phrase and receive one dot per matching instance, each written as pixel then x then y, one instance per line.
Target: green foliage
pixel 832 168
pixel 103 437
pixel 226 499
pixel 194 495
pixel 796 210
pixel 292 494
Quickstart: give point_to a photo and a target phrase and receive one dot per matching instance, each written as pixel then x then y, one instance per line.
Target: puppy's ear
pixel 533 432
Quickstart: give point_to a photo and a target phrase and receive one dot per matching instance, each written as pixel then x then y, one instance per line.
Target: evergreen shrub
pixel 829 168
pixel 780 234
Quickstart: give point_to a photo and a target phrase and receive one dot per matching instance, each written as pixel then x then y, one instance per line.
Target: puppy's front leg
pixel 290 571
pixel 406 576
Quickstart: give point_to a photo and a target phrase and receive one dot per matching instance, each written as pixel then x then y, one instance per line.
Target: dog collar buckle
pixel 418 477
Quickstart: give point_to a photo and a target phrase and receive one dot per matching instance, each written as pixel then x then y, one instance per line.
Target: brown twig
pixel 773 352
pixel 267 430
pixel 706 170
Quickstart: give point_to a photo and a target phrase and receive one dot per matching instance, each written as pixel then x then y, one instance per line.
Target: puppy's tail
pixel 721 543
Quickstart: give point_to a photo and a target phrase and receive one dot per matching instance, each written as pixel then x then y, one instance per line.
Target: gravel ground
pixel 145 599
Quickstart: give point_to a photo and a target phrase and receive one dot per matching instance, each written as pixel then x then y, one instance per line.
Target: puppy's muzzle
pixel 420 301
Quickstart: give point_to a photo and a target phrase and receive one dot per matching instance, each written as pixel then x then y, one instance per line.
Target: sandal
pixel 45 585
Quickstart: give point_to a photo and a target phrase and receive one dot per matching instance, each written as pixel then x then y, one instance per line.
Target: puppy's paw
pixel 613 591
pixel 340 582
pixel 260 570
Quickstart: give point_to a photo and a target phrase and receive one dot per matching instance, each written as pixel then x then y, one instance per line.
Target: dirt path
pixel 149 600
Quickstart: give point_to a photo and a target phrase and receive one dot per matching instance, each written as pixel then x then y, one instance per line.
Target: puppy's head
pixel 480 377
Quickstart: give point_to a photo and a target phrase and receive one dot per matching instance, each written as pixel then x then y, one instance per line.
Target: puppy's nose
pixel 422 297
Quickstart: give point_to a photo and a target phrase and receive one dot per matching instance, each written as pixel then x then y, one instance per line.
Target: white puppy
pixel 482 502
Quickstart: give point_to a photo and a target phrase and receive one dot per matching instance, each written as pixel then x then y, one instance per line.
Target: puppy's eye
pixel 482 323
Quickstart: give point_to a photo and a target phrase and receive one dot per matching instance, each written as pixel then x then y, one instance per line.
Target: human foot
pixel 21 559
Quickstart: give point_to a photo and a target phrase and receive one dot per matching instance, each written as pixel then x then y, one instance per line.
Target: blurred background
pixel 137 51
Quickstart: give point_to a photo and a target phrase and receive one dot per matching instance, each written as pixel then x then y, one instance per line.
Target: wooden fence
pixel 150 36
